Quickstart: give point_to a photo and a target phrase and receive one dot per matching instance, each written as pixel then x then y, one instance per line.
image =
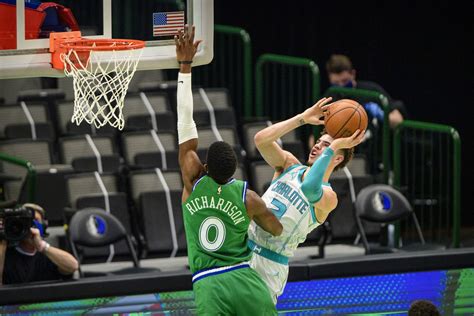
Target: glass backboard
pixel 26 25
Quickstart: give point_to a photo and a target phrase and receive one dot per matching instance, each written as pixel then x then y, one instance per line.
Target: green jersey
pixel 216 224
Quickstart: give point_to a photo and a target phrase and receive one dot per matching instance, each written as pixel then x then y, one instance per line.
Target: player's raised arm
pixel 265 140
pixel 259 212
pixel 189 162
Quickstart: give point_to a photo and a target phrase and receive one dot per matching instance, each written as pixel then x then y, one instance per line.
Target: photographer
pixel 32 259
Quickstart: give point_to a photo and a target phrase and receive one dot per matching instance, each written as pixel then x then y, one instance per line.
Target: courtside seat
pixel 94 190
pixel 381 203
pixel 157 195
pixel 95 228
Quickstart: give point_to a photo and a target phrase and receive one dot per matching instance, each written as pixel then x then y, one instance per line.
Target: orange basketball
pixel 344 117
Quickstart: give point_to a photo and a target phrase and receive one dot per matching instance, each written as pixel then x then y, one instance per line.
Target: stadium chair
pixel 140 77
pixel 10 87
pixel 50 185
pixel 49 96
pixel 289 142
pixel 340 226
pixel 157 195
pixel 41 130
pixel 80 152
pixel 102 191
pixel 219 98
pixel 167 88
pixel 343 228
pixel 382 203
pixel 15 121
pixel 220 107
pixel 64 111
pixel 138 117
pixel 240 173
pixel 66 85
pixel 94 227
pixel 85 184
pixel 261 175
pixel 149 149
pixel 207 136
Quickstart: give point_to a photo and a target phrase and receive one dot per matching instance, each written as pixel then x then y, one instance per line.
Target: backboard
pixel 26 24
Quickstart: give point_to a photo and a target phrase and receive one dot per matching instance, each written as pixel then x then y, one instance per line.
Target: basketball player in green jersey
pixel 217 211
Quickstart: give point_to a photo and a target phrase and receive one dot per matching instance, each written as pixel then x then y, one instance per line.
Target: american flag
pixel 167 23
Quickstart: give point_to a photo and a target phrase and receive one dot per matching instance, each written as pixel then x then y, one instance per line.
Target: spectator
pixel 342 74
pixel 423 308
pixel 33 259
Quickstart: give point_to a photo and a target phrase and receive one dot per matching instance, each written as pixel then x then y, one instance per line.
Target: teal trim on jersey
pixel 313 214
pixel 301 173
pixel 286 171
pixel 267 253
pixel 327 184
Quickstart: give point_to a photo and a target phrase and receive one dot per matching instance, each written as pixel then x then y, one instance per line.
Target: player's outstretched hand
pixel 186 47
pixel 348 142
pixel 313 114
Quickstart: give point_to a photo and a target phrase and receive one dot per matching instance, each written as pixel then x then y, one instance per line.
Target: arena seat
pixel 207 136
pixel 50 185
pixel 136 112
pixel 144 149
pixel 80 152
pixel 14 121
pixel 289 141
pixel 157 195
pixel 102 191
pixel 261 175
pixel 381 203
pixel 105 230
pixel 64 111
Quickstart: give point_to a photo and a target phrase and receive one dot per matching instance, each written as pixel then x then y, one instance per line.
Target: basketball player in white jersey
pixel 299 195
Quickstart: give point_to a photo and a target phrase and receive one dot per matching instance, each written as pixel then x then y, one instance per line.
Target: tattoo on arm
pixel 301 121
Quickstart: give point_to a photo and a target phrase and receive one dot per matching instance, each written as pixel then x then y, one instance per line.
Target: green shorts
pixel 236 292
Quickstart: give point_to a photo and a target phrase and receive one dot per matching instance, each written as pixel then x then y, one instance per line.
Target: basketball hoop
pixel 102 70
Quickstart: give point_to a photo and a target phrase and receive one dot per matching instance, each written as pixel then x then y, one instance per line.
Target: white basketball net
pixel 100 85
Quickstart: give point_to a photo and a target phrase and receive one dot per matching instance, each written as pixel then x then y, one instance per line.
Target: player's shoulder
pixel 251 196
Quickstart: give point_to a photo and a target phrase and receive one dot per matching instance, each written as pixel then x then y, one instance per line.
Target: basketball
pixel 344 117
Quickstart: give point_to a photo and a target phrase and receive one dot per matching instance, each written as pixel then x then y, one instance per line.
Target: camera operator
pixel 33 259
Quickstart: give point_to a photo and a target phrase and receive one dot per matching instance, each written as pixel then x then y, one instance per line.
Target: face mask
pixel 348 84
pixel 37 224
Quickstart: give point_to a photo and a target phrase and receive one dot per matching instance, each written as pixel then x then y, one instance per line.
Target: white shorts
pixel 274 274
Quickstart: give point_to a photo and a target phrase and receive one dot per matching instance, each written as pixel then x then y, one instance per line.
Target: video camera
pixel 15 222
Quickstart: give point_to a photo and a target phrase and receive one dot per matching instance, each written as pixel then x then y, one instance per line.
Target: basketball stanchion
pixel 101 70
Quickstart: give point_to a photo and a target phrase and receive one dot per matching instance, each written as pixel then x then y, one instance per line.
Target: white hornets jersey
pixel 285 198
